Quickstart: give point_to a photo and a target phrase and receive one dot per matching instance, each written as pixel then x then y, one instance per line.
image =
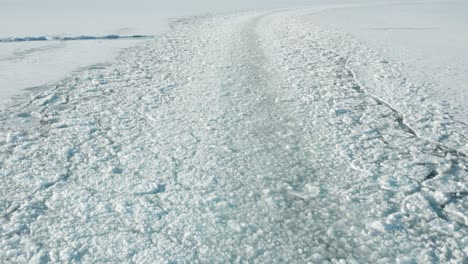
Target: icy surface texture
pixel 240 138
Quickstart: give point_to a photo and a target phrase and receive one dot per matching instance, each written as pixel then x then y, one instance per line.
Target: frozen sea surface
pixel 255 137
pixel 49 62
pixel 429 39
pixel 27 67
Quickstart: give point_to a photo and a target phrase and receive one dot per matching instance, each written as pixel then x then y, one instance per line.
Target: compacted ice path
pixel 237 138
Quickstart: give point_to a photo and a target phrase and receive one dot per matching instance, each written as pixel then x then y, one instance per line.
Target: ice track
pixel 254 137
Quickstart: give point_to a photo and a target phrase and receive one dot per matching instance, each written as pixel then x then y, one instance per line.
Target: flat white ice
pixel 28 66
pixel 428 37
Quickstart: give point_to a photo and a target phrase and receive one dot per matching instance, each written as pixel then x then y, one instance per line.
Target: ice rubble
pixel 249 137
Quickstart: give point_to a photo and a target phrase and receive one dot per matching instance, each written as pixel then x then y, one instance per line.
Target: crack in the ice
pixel 438 209
pixel 400 116
pixel 11 210
pixel 431 175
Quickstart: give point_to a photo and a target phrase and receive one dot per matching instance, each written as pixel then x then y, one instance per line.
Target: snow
pixel 261 136
pixel 428 37
pixel 58 19
pixel 36 66
pixel 58 38
pixel 249 137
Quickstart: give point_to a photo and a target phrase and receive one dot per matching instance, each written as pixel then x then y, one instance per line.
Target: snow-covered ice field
pixel 288 135
pixel 27 67
pixel 429 39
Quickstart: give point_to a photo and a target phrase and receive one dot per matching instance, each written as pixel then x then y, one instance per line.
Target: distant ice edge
pixel 58 38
